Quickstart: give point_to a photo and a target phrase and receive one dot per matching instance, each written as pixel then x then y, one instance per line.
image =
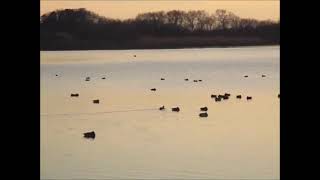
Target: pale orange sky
pixel 258 9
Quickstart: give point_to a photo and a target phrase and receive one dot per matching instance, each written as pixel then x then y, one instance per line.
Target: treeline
pixel 66 27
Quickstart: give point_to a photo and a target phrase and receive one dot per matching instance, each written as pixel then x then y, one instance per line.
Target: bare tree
pixel 246 24
pixel 175 17
pixel 191 20
pixel 201 20
pixel 233 21
pixel 221 15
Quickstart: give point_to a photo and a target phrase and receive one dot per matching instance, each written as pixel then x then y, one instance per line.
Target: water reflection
pixel 134 139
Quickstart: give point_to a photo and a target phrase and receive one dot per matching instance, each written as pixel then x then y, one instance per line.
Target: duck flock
pixel 203 110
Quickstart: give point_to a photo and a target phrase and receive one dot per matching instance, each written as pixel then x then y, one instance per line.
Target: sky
pixel 121 9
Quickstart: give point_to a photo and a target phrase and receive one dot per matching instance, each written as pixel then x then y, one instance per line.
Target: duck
pixel 176 109
pixel 75 95
pixel 91 134
pixel 203 114
pixel 225 97
pixel 96 101
pixel 203 109
pixel 161 108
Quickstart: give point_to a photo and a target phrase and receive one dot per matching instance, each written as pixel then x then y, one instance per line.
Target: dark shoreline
pixel 80 29
pixel 195 47
pixel 156 43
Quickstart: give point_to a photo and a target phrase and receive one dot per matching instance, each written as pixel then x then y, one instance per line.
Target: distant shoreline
pixel 157 43
pixel 203 47
pixel 80 29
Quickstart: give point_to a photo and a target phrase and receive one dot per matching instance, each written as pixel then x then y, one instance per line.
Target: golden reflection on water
pixel 239 138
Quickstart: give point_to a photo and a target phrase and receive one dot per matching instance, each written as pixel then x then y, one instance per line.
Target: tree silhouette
pixel 81 28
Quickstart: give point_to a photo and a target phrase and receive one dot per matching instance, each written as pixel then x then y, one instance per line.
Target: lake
pixel 238 140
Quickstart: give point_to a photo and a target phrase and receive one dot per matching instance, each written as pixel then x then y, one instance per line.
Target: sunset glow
pixel 129 9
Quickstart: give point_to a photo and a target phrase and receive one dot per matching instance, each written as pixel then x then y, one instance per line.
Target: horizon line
pixel 275 20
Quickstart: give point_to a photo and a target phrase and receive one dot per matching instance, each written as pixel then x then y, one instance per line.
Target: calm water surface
pixel 239 139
